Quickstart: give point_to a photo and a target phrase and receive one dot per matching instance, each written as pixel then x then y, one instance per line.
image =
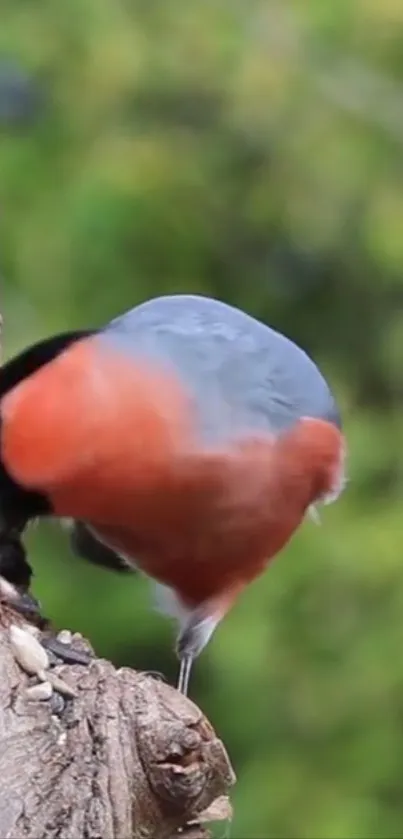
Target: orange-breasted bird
pixel 185 438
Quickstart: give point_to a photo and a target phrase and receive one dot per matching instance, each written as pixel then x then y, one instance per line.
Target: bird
pixel 185 439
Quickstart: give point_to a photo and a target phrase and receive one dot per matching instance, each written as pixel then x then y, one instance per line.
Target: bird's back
pixel 242 375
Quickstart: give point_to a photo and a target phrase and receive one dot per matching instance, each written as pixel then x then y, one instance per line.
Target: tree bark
pixel 127 758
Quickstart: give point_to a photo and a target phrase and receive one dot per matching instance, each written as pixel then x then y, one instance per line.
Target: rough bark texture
pixel 128 758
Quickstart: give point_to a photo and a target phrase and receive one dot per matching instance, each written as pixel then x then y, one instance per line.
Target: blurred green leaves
pixel 251 151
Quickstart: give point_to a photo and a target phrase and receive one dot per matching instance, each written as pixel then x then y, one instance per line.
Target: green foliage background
pixel 252 151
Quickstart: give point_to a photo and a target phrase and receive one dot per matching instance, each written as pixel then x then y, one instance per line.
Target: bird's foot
pixel 15 579
pixel 22 602
pixel 26 605
pixel 184 674
pixel 193 637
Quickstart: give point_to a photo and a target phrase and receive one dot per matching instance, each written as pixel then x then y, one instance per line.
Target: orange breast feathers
pixel 90 424
pixel 224 514
pixel 114 443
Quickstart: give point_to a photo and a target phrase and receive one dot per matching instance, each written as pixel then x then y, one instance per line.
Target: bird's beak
pixel 313 514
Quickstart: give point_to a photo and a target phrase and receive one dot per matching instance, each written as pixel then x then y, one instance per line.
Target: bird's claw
pixel 22 602
pixel 28 606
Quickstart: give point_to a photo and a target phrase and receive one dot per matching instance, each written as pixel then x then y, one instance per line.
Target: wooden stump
pixel 127 758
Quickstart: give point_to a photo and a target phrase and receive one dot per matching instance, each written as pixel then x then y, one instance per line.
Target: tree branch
pixel 128 757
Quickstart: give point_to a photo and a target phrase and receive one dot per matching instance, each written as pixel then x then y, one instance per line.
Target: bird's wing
pixel 86 544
